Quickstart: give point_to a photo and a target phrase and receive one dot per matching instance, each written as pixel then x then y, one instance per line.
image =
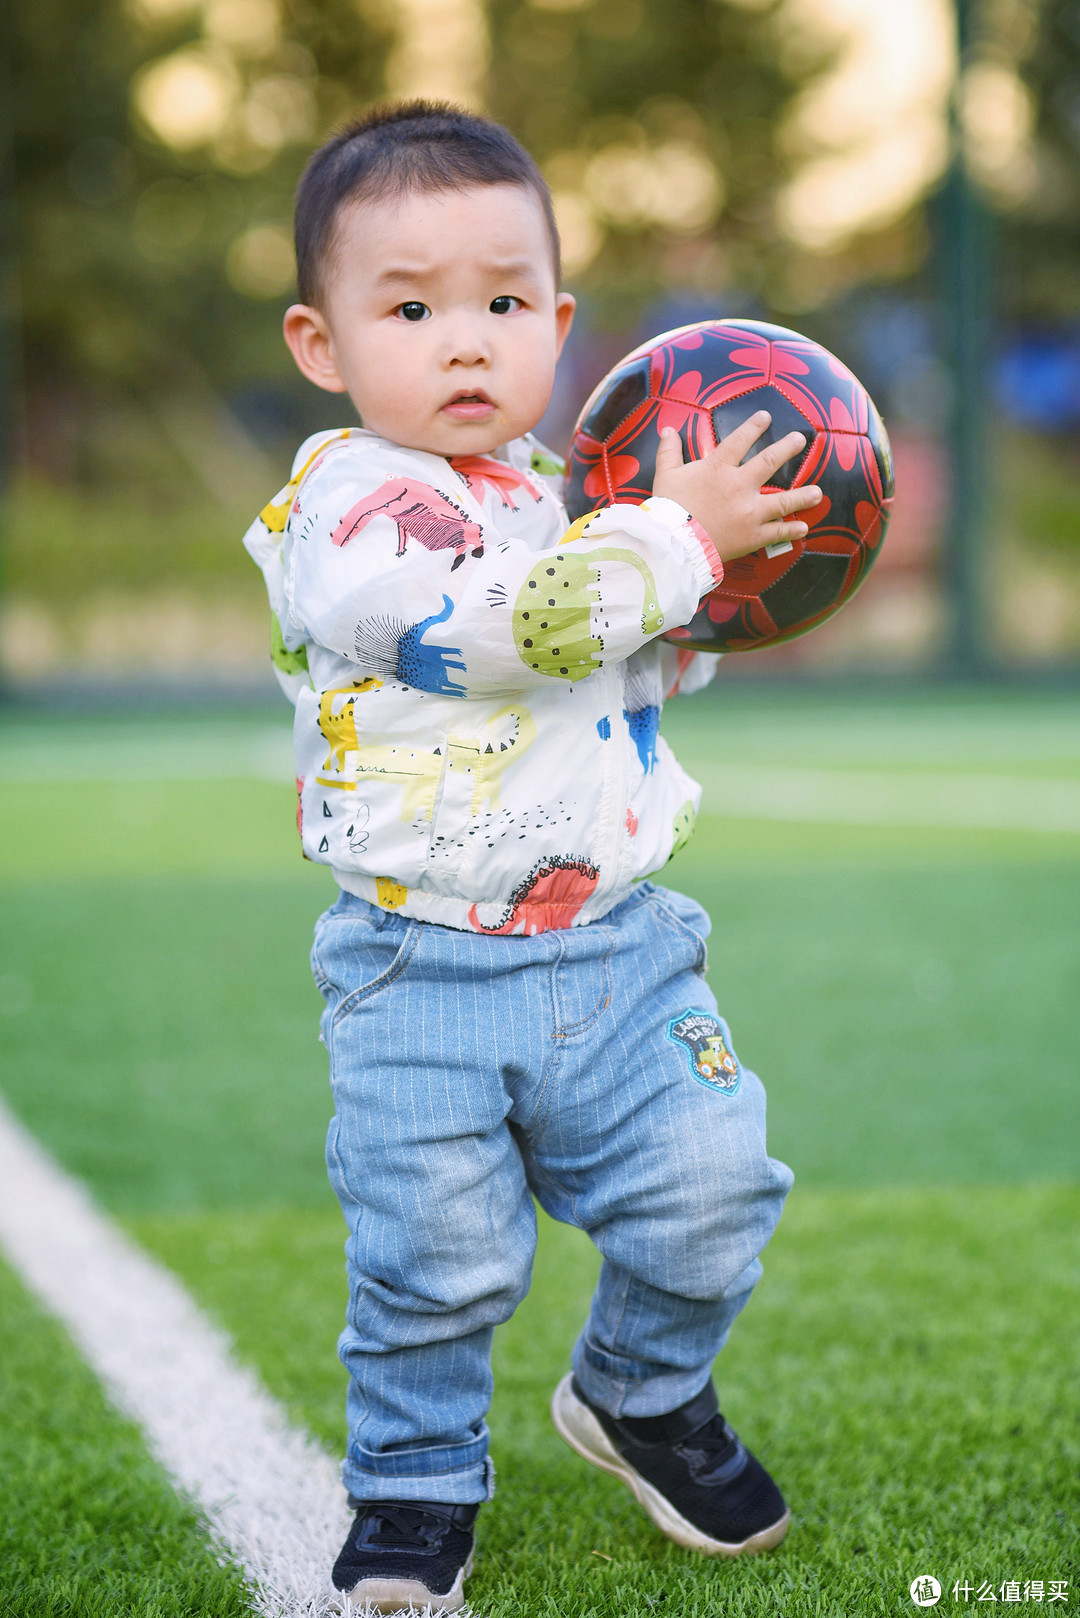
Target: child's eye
pixel 504 306
pixel 414 311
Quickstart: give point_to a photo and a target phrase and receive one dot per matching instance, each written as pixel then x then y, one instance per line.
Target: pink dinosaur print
pixel 421 513
pixel 478 470
pixel 551 896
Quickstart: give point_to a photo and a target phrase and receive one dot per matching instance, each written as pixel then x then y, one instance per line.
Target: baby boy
pixel 513 1010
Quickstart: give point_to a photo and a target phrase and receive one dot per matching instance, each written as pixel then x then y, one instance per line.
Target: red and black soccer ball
pixel 705 380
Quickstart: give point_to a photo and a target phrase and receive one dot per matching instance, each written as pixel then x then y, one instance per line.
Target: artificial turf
pixel 907 1368
pixel 90 1526
pixel 913 1024
pixel 908 1365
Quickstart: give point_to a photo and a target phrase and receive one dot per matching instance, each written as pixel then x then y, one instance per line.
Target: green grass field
pixel 911 996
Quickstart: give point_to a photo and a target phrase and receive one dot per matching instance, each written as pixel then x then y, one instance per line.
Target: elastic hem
pixel 700 550
pixel 441 910
pixel 712 555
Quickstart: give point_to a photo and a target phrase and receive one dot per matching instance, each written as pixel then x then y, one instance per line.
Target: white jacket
pixel 478 685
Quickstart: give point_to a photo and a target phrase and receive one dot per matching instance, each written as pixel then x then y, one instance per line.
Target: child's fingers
pixel 786 501
pixel 669 455
pixel 773 456
pixel 773 532
pixel 742 440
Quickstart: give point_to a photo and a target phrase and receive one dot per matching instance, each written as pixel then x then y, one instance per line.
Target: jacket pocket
pixel 471 783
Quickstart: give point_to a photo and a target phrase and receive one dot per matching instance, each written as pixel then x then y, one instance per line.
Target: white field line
pixel 878 798
pixel 271 1496
pixel 260 756
pixel 863 796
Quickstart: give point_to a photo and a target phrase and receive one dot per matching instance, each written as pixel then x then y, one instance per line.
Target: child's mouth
pixel 469 407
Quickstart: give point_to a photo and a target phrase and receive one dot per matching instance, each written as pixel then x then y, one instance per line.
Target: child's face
pixel 441 318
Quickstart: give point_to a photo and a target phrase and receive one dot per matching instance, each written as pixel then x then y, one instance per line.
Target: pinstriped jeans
pixel 586 1066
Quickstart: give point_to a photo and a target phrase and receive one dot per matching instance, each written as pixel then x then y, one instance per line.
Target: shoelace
pixel 402 1528
pixel 717 1454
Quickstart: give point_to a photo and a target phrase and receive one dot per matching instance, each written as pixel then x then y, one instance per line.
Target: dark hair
pixel 415 146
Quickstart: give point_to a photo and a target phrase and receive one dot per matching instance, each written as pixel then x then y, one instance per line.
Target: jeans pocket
pixel 686 918
pixel 380 965
pixel 355 948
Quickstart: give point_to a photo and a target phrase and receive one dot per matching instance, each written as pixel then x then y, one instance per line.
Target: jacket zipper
pixel 615 793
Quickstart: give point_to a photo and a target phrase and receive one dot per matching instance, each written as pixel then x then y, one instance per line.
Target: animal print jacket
pixel 477 683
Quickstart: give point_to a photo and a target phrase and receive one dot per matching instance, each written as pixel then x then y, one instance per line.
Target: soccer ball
pixel 705 380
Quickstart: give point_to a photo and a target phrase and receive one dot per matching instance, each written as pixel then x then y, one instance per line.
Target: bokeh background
pixel 887 175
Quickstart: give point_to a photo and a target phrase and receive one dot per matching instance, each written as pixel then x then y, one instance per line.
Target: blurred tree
pixel 158 142
pixel 656 123
pixel 1041 246
pixel 156 149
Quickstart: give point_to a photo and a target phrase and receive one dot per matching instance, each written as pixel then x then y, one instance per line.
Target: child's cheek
pixel 397 392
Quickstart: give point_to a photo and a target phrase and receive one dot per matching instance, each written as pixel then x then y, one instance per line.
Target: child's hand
pixel 727 498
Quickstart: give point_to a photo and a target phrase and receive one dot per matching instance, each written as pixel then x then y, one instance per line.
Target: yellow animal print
pixel 576 529
pixel 391 894
pixel 486 760
pixel 339 727
pixel 276 514
pixel 418 773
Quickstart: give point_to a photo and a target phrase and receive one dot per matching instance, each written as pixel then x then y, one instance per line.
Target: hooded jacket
pixel 478 682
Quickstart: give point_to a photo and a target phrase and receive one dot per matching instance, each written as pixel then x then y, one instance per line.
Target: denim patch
pixel 706 1040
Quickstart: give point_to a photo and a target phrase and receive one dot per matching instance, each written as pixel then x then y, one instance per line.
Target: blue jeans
pixel 586 1066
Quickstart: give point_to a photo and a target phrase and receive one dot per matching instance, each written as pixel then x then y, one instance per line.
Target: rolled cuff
pixel 455 1474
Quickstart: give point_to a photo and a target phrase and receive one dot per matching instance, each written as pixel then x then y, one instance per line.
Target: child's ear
pixel 308 337
pixel 565 305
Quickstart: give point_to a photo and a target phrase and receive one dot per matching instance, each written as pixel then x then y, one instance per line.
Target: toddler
pixel 513 1010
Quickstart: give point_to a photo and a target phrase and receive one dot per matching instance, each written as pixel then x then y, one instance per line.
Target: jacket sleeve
pixel 392 573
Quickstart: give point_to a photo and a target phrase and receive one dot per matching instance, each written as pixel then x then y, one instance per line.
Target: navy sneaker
pixel 700 1485
pixel 407 1553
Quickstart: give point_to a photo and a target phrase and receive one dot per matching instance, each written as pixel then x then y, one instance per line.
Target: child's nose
pixel 467 344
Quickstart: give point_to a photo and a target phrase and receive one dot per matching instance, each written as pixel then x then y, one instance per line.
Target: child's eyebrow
pixel 410 274
pixel 402 275
pixel 512 266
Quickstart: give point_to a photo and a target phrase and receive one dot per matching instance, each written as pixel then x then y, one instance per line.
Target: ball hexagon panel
pixel 704 381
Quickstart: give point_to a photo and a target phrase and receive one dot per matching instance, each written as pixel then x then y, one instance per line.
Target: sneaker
pixel 700 1485
pixel 407 1554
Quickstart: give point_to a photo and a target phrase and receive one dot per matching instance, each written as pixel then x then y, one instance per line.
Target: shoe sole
pixel 404 1595
pixel 576 1424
